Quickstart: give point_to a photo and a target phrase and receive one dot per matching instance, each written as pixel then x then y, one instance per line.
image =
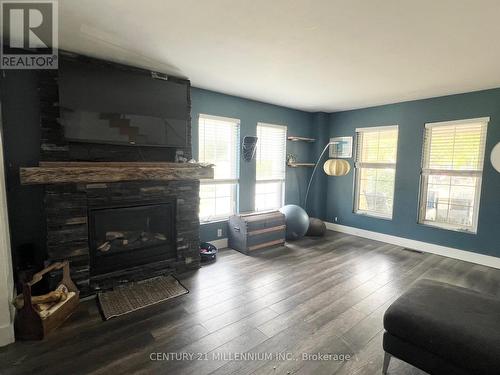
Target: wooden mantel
pixel 96 172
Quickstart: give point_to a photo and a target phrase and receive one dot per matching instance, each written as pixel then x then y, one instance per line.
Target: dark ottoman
pixel 444 329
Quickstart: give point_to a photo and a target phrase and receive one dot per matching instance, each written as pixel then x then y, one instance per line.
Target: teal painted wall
pixel 332 197
pixel 250 113
pixel 411 118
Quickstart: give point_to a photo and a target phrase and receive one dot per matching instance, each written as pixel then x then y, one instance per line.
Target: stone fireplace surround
pixel 73 191
pixel 67 207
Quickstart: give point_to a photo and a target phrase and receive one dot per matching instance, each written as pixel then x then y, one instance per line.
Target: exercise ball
pixel 317 227
pixel 297 221
pixel 336 167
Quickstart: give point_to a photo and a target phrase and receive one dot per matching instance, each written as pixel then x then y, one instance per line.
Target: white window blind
pixel 452 168
pixel 376 155
pixel 218 139
pixel 270 166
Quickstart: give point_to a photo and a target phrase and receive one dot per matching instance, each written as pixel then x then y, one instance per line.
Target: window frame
pixel 274 180
pixel 424 180
pixel 215 181
pixel 358 168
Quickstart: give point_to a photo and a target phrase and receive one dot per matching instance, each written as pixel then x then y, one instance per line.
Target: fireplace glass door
pixel 123 237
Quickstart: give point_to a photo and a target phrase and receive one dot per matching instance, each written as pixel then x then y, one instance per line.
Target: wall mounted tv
pixel 108 103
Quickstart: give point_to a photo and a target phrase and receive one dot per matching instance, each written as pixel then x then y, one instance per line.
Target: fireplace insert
pixel 122 237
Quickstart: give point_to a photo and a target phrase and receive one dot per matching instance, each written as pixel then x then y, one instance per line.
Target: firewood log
pixel 104 247
pixel 110 236
pixel 160 236
pixel 49 298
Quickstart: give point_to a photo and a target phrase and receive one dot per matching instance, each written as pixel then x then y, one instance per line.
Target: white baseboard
pixel 7 334
pixel 221 243
pixel 426 247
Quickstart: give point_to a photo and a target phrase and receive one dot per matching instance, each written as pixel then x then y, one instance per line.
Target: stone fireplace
pixel 119 222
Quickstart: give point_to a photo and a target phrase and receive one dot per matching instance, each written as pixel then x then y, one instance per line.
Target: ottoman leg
pixel 387 359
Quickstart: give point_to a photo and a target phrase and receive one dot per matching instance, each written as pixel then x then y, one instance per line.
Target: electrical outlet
pixel 219 232
pixel 336 219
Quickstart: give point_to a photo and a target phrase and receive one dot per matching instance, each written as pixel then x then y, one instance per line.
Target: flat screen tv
pixel 105 103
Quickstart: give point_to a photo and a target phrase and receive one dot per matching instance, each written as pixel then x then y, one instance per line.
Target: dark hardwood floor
pixel 323 295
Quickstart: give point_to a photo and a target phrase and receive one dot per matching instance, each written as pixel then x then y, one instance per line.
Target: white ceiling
pixel 315 55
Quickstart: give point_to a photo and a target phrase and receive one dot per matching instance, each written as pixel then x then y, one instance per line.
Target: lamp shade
pixel 336 167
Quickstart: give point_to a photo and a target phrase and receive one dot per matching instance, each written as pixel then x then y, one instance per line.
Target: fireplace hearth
pixel 128 236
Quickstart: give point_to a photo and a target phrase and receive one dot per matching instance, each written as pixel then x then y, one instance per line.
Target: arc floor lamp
pixel 332 167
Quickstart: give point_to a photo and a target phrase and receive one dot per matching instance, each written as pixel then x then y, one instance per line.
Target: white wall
pixel 6 279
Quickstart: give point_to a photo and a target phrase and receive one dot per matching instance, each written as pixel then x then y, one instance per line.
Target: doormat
pixel 137 295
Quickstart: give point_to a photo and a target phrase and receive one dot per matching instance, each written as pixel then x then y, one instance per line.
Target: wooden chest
pixel 254 231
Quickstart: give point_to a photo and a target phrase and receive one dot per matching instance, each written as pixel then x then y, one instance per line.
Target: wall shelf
pixel 294 138
pixel 296 165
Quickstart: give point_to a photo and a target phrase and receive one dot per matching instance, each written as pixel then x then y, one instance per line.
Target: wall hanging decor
pixel 248 147
pixel 495 157
pixel 341 147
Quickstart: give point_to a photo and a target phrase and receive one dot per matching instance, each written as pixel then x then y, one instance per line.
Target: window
pixel 219 145
pixel 376 153
pixel 271 154
pixel 452 167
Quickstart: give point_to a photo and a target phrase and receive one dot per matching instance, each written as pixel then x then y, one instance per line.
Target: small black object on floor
pixel 208 252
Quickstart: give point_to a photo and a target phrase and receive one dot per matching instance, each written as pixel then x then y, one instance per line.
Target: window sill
pixel 447 227
pixel 373 215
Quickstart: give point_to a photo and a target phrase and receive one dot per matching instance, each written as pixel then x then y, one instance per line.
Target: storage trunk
pixel 254 231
